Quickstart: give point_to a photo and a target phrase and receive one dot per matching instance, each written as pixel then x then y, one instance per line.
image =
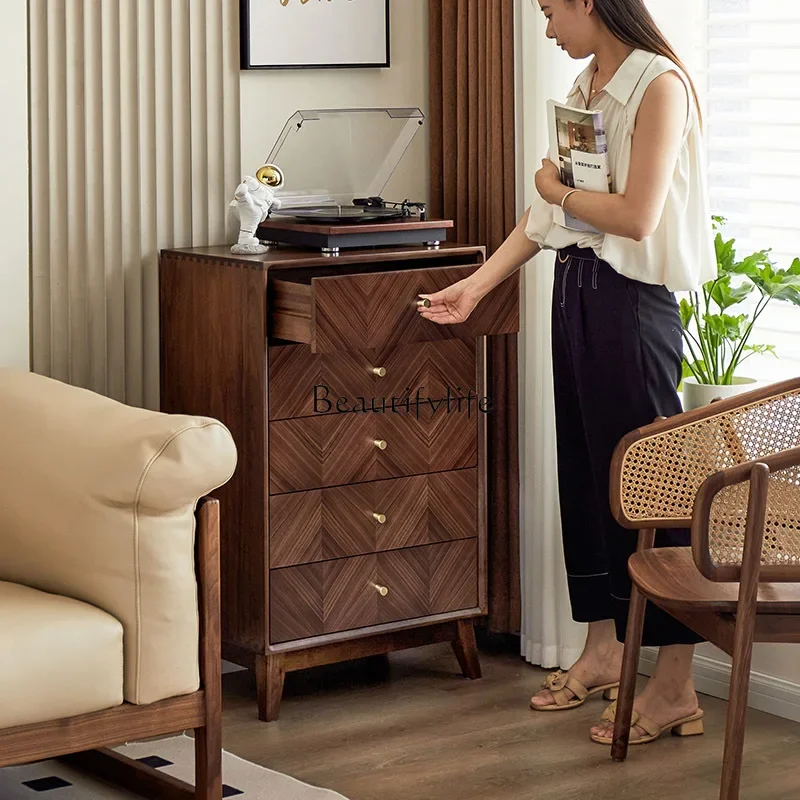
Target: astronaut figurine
pixel 252 201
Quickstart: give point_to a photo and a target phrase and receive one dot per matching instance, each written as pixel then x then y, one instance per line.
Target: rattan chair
pixel 731 472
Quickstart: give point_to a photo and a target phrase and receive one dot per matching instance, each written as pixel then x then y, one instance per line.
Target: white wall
pixel 270 97
pixel 14 313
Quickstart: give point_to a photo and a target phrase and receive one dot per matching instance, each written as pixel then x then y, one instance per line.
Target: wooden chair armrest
pixel 208 579
pixel 711 487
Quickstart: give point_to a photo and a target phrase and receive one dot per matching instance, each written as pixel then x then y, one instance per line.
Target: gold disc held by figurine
pixel 270 175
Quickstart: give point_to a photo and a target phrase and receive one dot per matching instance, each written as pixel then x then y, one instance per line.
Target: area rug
pixel 51 779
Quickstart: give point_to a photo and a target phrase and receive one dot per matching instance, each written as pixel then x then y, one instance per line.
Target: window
pixel 744 56
pixel 752 85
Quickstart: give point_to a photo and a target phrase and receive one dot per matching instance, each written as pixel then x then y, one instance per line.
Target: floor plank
pixel 409 727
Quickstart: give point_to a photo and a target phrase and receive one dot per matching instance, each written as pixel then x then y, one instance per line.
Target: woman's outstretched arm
pixel 514 253
pixel 456 302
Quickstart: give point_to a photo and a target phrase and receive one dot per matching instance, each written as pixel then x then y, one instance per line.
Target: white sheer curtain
pixel 549 636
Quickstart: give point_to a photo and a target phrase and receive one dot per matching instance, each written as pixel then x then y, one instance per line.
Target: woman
pixel 616 330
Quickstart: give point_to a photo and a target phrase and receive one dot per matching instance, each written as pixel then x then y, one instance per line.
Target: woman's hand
pixel 452 304
pixel 548 182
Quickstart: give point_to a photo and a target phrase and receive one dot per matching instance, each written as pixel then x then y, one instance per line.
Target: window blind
pixel 751 88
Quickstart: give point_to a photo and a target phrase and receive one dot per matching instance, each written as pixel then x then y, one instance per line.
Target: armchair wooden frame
pixel 702 469
pixel 85 740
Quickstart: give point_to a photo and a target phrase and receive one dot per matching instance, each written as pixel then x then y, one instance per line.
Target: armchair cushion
pixel 97 503
pixel 58 657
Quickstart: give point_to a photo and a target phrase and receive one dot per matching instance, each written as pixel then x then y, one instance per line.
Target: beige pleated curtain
pixel 134 146
pixel 473 182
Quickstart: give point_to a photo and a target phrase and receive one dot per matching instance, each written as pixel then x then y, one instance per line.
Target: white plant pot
pixel 696 395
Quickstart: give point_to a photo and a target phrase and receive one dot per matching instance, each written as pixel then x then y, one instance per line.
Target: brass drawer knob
pixel 424 302
pixel 380 371
pixel 382 590
pixel 379 517
pixel 380 444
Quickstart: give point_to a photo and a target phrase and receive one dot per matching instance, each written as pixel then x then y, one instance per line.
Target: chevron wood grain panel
pixel 351 599
pixel 405 574
pixel 313 452
pixel 378 310
pixel 328 597
pixel 298 377
pixel 436 441
pixel 296 602
pixel 324 524
pixel 351 593
pixel 334 449
pixel 453 580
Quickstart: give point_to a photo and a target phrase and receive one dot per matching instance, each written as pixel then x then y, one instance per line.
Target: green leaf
pixel 756 265
pixel 687 312
pixel 696 370
pixel 725 254
pixel 780 284
pixel 727 327
pixel 761 349
pixel 725 296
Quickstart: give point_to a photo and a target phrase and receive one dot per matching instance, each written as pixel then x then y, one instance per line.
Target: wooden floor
pixel 411 728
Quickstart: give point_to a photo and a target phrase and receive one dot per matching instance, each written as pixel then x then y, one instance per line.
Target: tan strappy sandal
pixel 686 726
pixel 559 682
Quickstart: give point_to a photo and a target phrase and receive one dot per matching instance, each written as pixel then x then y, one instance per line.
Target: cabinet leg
pixel 269 681
pixel 466 650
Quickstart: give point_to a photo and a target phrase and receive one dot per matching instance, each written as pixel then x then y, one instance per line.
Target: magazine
pixel 578 146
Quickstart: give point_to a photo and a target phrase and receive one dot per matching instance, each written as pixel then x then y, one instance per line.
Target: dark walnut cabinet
pixel 356 521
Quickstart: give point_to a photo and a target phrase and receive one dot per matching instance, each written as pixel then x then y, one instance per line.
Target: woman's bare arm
pixel 657 139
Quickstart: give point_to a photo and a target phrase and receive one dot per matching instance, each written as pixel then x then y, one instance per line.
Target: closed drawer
pixel 378 310
pixel 349 593
pixel 326 524
pixel 302 383
pixel 358 446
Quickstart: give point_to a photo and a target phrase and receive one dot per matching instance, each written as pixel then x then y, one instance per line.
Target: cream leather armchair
pixel 109 579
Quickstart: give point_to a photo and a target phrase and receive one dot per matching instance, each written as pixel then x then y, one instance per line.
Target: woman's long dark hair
pixel 632 23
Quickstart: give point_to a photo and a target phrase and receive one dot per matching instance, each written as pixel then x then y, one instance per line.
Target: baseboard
pixel 712 677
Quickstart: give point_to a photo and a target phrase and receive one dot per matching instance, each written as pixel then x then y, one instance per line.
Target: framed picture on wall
pixel 314 34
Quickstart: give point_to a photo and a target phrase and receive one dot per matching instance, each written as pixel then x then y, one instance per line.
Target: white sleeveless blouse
pixel 680 254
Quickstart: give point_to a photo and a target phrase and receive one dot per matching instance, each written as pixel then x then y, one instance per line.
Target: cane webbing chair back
pixel 659 470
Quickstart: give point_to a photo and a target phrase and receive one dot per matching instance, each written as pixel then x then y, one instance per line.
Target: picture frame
pixel 309 34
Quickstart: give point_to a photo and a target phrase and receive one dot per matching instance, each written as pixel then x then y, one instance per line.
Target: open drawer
pixel 379 309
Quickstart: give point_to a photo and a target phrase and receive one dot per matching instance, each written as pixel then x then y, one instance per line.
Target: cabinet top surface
pixel 287 256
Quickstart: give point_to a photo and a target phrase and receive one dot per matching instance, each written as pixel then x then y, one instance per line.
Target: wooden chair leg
pixel 208 762
pixel 630 660
pixel 208 738
pixel 630 670
pixel 466 650
pixel 737 712
pixel 744 634
pixel 270 676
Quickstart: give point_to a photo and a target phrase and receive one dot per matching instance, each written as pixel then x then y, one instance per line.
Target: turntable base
pixel 330 238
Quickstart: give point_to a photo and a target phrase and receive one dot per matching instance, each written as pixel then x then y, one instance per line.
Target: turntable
pixel 331 168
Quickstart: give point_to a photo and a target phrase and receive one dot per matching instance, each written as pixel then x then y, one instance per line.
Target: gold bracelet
pixel 564 198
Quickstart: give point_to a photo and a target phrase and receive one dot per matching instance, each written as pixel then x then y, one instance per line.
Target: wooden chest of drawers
pixel 355 523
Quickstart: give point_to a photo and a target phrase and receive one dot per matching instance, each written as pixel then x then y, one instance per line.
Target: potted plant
pixel 717 340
